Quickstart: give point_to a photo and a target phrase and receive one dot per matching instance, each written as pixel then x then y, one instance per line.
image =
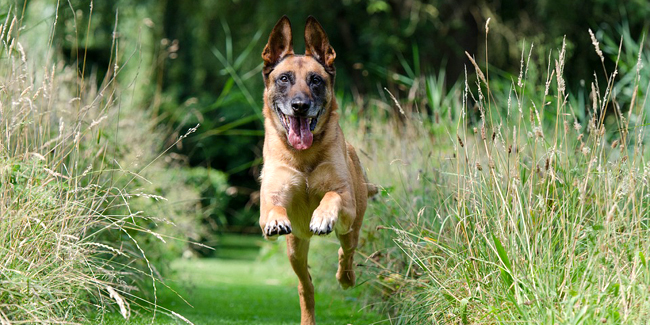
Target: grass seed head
pixel 594 41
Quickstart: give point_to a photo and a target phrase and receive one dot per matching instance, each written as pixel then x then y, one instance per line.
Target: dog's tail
pixel 372 189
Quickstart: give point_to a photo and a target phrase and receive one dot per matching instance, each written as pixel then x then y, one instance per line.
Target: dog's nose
pixel 300 105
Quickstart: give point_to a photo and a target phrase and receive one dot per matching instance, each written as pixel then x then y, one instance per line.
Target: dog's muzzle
pixel 299 128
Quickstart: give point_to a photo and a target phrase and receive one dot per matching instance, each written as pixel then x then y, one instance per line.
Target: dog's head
pixel 299 88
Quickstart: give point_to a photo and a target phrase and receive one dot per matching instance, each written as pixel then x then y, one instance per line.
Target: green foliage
pixel 633 65
pixel 199 61
pixel 41 237
pixel 525 209
pixel 213 187
pixel 510 196
pixel 51 200
pixel 92 211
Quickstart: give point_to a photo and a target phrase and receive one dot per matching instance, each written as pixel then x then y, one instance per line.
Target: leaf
pixel 613 288
pixel 503 256
pixel 463 310
pixel 643 260
pixel 506 273
pixel 450 298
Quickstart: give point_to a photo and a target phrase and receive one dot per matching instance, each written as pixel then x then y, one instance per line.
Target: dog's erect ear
pixel 318 45
pixel 280 44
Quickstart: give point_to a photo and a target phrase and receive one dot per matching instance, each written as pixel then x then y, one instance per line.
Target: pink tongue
pixel 300 136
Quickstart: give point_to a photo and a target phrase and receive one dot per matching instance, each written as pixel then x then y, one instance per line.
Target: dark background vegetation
pixel 207 67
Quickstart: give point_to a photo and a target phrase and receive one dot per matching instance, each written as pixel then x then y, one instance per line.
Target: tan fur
pixel 322 185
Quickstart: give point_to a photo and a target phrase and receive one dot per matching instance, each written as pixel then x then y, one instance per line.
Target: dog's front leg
pixel 275 194
pixel 336 210
pixel 274 222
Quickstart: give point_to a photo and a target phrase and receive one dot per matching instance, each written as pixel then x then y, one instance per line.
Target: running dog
pixel 312 182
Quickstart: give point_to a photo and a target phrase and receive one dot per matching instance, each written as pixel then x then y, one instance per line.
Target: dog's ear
pixel 318 45
pixel 280 45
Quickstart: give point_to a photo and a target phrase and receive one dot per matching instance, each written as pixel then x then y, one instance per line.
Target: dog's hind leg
pixel 345 274
pixel 298 249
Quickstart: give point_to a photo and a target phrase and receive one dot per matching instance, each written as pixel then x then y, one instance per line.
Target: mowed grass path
pixel 238 288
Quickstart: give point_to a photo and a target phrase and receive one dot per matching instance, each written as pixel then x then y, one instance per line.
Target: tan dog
pixel 312 181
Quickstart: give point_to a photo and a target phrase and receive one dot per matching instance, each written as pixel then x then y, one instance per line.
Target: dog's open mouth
pixel 299 130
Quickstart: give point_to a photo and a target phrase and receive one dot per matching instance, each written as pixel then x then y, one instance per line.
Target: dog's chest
pixel 304 194
pixel 301 197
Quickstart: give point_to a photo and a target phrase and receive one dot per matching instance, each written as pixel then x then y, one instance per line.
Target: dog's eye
pixel 284 78
pixel 316 80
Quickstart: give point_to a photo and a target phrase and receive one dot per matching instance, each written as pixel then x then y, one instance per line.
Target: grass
pixel 50 201
pixel 517 207
pixel 78 235
pixel 82 235
pixel 511 201
pixel 237 287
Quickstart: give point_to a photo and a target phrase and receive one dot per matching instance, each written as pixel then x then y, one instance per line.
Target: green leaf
pixel 613 288
pixel 506 273
pixel 506 277
pixel 643 260
pixel 503 256
pixel 463 310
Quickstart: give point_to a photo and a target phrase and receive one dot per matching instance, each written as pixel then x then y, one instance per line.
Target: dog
pixel 312 182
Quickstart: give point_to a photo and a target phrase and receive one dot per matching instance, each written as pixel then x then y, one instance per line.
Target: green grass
pixel 237 287
pixel 520 207
pixel 55 196
pixel 79 232
pixel 514 201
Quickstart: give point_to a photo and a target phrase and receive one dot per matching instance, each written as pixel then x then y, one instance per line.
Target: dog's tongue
pixel 300 136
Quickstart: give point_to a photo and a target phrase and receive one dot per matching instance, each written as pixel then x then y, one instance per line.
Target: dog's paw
pixel 323 221
pixel 346 278
pixel 277 227
pixel 345 274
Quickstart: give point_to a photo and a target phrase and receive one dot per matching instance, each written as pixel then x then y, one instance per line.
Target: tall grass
pixel 75 241
pixel 511 207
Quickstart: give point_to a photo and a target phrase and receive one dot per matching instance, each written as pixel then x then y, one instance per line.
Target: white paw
pixel 323 221
pixel 277 227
